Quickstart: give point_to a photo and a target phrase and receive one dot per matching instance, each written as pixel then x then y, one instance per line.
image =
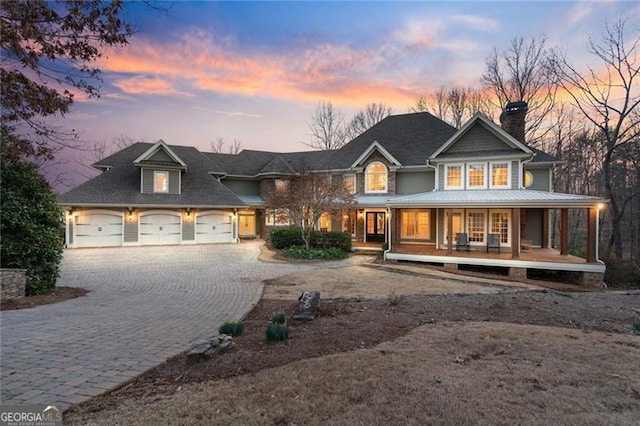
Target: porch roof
pixel 495 198
pixel 372 200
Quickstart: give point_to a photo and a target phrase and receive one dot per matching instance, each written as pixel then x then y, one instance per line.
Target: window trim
pixel 429 236
pixel 155 177
pixel 446 176
pixel 485 227
pixel 508 185
pixel 509 214
pixel 463 223
pixel 484 175
pixel 367 190
pixel 271 214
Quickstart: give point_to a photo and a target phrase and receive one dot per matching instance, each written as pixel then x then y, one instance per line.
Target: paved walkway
pixel 146 304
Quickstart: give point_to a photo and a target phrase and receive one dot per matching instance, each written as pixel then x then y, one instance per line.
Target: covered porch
pixel 476 214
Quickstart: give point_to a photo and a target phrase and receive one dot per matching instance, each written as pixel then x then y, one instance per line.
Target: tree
pixel 521 73
pixel 31 225
pixel 608 98
pixel 363 120
pixel 455 105
pixel 218 146
pixel 49 50
pixel 306 197
pixel 326 127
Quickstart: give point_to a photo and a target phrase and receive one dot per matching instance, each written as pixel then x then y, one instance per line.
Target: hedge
pixel 286 237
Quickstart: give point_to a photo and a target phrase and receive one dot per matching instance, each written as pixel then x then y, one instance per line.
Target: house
pixel 417 181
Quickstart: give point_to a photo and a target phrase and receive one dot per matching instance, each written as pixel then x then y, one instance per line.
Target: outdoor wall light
pixel 188 214
pixel 600 206
pixel 130 215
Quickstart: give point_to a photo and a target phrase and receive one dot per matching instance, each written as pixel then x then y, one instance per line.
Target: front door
pixel 375 227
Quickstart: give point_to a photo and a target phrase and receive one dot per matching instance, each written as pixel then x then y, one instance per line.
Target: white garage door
pixel 214 227
pixel 159 228
pixel 97 229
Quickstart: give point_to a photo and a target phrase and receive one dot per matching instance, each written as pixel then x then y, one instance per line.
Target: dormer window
pixel 281 185
pixel 375 178
pixel 160 181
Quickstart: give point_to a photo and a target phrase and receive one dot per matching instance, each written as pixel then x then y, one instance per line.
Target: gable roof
pixel 481 119
pixel 148 156
pixel 119 185
pixel 375 146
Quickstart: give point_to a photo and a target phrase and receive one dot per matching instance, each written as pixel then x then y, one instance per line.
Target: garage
pixel 98 228
pixel 214 227
pixel 160 228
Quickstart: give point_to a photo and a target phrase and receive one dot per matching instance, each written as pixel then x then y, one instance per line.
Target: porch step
pixel 366 249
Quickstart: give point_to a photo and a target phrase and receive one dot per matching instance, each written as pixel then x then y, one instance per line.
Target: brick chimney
pixel 512 119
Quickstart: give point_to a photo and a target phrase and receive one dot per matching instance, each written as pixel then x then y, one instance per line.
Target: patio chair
pixel 462 241
pixel 493 242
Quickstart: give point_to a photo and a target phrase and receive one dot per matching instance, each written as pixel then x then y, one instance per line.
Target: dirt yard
pixel 493 355
pixel 59 294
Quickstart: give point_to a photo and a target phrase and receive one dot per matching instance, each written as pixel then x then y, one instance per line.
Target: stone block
pixel 592 279
pixel 518 272
pixel 211 347
pixel 12 283
pixel 307 306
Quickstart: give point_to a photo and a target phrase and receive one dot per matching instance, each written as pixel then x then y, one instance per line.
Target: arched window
pixel 375 178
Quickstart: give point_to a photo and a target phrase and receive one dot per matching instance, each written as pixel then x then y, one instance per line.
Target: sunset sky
pixel 255 71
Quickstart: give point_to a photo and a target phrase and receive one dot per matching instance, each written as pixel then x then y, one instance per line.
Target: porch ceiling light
pixel 600 206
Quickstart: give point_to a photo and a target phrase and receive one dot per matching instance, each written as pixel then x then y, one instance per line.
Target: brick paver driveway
pixel 146 304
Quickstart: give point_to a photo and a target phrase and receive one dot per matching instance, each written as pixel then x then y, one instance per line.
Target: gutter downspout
pixel 389 219
pixel 435 174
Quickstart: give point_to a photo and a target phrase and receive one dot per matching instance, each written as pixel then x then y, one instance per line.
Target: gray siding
pixel 540 179
pixel 189 229
pixel 414 182
pixel 242 187
pixel 533 226
pixel 147 181
pixel 130 229
pixel 515 175
pixel 70 232
pixel 161 156
pixel 477 139
pixel 440 177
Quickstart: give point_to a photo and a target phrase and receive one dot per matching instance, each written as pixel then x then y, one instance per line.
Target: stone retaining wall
pixel 12 283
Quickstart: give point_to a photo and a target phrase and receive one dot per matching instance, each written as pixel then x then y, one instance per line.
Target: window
pixel 325 222
pixel 528 179
pixel 457 225
pixel 160 181
pixel 350 183
pixel 416 224
pixel 500 225
pixel 349 223
pixel 376 178
pixel 278 217
pixel 476 225
pixel 476 178
pixel 500 175
pixel 281 185
pixel 453 176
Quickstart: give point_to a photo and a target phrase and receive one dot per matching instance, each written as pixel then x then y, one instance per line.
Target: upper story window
pixel 476 176
pixel 160 181
pixel 281 185
pixel 528 179
pixel 453 176
pixel 500 175
pixel 350 183
pixel 376 178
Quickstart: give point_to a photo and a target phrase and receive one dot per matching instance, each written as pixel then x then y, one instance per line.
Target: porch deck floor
pixel 534 254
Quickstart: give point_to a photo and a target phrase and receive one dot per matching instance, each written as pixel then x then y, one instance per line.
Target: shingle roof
pixel 120 185
pixel 254 163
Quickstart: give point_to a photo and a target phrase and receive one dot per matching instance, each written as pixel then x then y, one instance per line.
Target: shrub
pixel 621 273
pixel 299 252
pixel 341 240
pixel 283 238
pixel 31 225
pixel 277 332
pixel 278 318
pixel 231 328
pixel 636 326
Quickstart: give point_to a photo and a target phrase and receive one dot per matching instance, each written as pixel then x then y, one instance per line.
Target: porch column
pixel 515 234
pixel 545 228
pixel 393 229
pixel 564 232
pixel 449 232
pixel 592 235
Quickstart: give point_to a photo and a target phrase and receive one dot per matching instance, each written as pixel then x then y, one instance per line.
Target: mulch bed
pixel 59 294
pixel 345 325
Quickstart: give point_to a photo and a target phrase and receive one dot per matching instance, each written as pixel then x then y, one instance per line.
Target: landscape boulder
pixel 307 306
pixel 206 350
